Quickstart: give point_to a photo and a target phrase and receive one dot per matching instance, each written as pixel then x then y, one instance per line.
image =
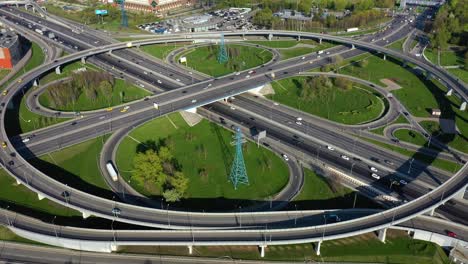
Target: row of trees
pixel 87 82
pixel 265 18
pixel 450 25
pixel 157 167
pixel 319 86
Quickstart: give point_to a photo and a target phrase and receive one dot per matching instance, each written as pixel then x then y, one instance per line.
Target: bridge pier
pixel 85 215
pixel 109 52
pixel 113 247
pixel 270 36
pixel 385 57
pixel 190 249
pixel 83 60
pixel 428 76
pixel 463 106
pixel 431 212
pixel 299 38
pixel 57 70
pixel 382 234
pixel 35 83
pixel 40 196
pixel 262 250
pixel 317 248
pixel 34 9
pixel 18 182
pixel 461 193
pixel 352 46
pixel 320 41
pixel 449 93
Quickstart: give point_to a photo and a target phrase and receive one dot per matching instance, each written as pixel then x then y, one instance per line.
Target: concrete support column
pixel 463 106
pixel 25 6
pixel 34 9
pixel 113 247
pixel 57 70
pixel 270 36
pixel 428 76
pixel 385 57
pixel 320 41
pixel 352 46
pixel 85 215
pixel 109 52
pixel 317 248
pixel 35 83
pixel 262 251
pixel 83 60
pixel 461 193
pixel 299 38
pixel 40 196
pixel 449 93
pixel 382 234
pixel 190 249
pixel 18 182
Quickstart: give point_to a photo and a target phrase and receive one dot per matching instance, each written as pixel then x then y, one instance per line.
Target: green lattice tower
pixel 238 171
pixel 222 53
pixel 123 13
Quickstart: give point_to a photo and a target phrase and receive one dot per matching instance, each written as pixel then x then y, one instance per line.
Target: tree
pixel 363 63
pixel 172 195
pixel 148 169
pixel 106 89
pixel 179 182
pixel 343 83
pixel 165 154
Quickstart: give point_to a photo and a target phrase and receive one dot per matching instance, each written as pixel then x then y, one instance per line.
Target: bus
pixel 112 171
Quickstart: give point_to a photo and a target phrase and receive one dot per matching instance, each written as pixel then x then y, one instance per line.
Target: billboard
pixel 100 12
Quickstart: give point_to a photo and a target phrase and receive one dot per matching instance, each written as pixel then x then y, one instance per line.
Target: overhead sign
pixel 100 12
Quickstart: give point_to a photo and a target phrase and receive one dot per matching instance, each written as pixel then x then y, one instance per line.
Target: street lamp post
pixel 6 216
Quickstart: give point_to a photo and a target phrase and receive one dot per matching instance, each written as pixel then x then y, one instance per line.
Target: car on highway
pixel 303 58
pixel 109 109
pixel 388 162
pixel 333 218
pixel 233 108
pixel 5 92
pixel 116 211
pixel 451 234
pixel 330 148
pixel 373 169
pixel 123 110
pixel 159 81
pixel 194 101
pixel 25 140
pixel 4 144
pixel 247 76
pixel 403 182
pixel 285 157
pixel 376 176
pixel 251 72
pixel 237 73
pixel 298 123
pixel 344 157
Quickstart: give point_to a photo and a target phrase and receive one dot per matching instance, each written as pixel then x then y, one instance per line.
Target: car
pixel 333 218
pixel 25 140
pixel 395 140
pixel 375 176
pixel 73 123
pixel 251 72
pixel 403 182
pixel 194 101
pixel 126 107
pixel 233 108
pixel 247 76
pixel 237 73
pixel 373 169
pixel 451 234
pixel 303 58
pixel 285 157
pixel 406 113
pixel 328 53
pixel 65 194
pixel 388 162
pixel 11 163
pixel 159 81
pixel 109 109
pixel 5 92
pixel 123 110
pixel 275 104
pixel 344 157
pixel 330 147
pixel 116 211
pixel 177 80
pixel 4 144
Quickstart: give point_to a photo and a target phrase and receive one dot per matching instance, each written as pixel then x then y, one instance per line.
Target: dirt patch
pixel 391 85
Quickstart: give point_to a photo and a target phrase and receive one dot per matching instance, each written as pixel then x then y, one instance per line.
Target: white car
pixel 328 53
pixel 177 80
pixel 275 103
pixel 375 176
pixel 233 108
pixel 403 182
pixel 247 76
pixel 285 157
pixel 344 157
pixel 373 169
pixel 299 119
pixel 159 81
pixel 303 58
pixel 26 140
pixel 194 101
pixel 330 148
pixel 298 123
pixel 250 72
pixel 126 107
pixel 237 73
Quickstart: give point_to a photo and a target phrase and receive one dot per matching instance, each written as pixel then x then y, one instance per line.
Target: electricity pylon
pixel 222 53
pixel 238 171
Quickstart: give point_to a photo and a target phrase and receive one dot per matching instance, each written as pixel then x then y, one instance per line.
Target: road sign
pixel 100 12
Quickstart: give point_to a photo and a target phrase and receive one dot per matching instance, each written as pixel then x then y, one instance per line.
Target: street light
pixel 6 216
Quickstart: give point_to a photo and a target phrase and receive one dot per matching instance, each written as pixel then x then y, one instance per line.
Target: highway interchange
pixel 173 99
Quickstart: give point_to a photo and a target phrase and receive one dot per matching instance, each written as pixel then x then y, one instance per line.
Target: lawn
pixel 240 58
pixel 411 137
pixel 437 162
pixel 281 44
pixel 460 73
pixel 397 45
pixel 399 248
pixel 447 57
pixel 456 141
pixel 77 166
pixel 3 73
pixel 160 50
pixel 354 106
pixel 400 120
pixel 66 70
pixel 130 91
pixel 299 51
pixel 267 173
pixel 318 194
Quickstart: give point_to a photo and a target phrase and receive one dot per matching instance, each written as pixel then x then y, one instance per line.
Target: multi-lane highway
pixel 193 96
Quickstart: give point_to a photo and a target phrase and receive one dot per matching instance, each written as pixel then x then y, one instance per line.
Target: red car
pixel 451 234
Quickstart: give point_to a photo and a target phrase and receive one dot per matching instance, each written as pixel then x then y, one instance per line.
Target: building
pixel 153 5
pixel 436 112
pixel 294 15
pixel 12 48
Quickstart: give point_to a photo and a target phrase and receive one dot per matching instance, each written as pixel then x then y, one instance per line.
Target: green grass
pixel 281 44
pixel 83 103
pixel 411 137
pixel 317 193
pixel 160 51
pixel 77 166
pixel 66 70
pixel 460 73
pixel 455 141
pixel 400 120
pixel 397 45
pixel 398 248
pixel 447 57
pixel 299 51
pixel 436 162
pixel 354 106
pixel 263 181
pixel 3 73
pixel 248 57
pixel 7 235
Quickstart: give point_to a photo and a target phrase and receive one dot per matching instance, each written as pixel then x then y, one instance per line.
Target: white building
pixel 153 5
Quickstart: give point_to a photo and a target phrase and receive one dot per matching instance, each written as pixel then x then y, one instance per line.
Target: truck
pixel 39 31
pixel 112 171
pixel 51 35
pixel 320 52
pixel 352 29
